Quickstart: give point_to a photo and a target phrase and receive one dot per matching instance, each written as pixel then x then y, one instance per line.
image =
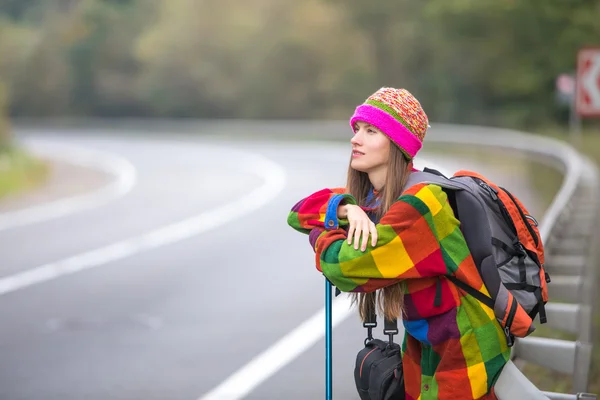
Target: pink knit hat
pixel 398 114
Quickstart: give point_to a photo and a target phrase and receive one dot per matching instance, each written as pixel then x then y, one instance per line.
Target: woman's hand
pixel 360 226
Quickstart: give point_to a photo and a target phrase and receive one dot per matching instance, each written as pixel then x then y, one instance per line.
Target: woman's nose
pixel 356 138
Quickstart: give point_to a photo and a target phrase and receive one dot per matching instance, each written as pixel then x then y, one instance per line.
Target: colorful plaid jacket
pixel 453 346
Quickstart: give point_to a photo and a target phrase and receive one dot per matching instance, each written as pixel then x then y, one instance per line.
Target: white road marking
pixel 122 169
pixel 288 348
pixel 241 383
pixel 274 181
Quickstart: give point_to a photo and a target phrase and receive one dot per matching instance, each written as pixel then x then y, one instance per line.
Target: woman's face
pixel 370 149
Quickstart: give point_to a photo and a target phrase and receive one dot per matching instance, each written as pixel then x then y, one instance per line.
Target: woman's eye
pixel 371 131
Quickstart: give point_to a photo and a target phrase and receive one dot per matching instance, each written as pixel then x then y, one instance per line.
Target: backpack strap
pixel 435 177
pixel 434 171
pixel 473 292
pixel 390 327
pixel 427 176
pixel 370 323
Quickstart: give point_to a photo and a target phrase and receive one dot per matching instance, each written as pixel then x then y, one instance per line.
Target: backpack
pixel 505 244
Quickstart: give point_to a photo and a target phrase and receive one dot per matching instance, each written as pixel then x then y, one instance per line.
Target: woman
pixel 377 235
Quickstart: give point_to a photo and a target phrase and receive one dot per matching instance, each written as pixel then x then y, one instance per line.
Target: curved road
pixel 163 311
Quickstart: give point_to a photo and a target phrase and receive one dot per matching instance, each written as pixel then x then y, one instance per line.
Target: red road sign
pixel 587 102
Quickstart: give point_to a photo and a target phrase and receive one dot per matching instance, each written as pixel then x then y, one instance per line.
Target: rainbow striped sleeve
pixel 418 237
pixel 319 210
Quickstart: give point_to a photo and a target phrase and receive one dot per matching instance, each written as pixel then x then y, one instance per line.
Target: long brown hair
pixel 390 301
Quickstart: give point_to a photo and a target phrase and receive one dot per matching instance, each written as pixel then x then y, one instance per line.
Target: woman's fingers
pixel 373 230
pixel 360 234
pixel 359 228
pixel 357 234
pixel 351 229
pixel 365 236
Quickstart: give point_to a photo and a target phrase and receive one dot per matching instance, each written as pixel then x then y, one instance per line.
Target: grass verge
pixel 19 171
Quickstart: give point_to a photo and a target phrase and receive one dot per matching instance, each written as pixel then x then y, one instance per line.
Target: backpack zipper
pixel 524 217
pixel 494 195
pixel 489 189
pixel 363 361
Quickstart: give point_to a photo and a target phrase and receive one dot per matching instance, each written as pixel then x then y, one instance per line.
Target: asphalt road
pixel 175 318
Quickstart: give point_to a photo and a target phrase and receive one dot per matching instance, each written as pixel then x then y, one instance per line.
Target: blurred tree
pixel 185 66
pixel 18 47
pixel 393 31
pixel 17 9
pixel 39 85
pixel 80 53
pixel 100 55
pixel 34 12
pixel 305 62
pixel 226 58
pixel 466 60
pixel 502 58
pixel 5 135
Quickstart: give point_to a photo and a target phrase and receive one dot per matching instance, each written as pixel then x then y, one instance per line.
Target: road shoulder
pixel 64 180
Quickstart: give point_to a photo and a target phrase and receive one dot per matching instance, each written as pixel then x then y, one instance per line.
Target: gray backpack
pixel 505 244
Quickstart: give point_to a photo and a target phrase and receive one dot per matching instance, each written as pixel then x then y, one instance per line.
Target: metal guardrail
pixel 569 232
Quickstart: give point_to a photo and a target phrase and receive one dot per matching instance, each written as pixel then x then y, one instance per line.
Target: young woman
pixel 377 236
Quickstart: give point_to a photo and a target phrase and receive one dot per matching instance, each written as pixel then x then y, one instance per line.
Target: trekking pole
pixel 328 352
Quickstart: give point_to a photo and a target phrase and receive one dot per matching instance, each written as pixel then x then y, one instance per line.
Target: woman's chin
pixel 359 166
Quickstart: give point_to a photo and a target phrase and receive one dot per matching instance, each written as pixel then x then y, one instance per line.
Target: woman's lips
pixel 357 153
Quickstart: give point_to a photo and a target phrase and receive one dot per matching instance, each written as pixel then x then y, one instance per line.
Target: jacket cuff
pixel 331 218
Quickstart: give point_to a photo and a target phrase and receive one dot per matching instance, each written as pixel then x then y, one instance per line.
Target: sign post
pixel 587 89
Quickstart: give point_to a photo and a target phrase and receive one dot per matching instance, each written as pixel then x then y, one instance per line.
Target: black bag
pixel 378 372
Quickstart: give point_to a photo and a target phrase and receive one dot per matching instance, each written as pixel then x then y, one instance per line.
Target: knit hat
pixel 398 114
